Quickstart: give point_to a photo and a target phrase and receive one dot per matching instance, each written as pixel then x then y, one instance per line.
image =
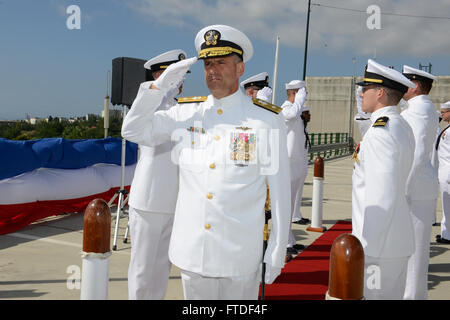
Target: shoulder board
pixel 192 99
pixel 267 105
pixel 381 122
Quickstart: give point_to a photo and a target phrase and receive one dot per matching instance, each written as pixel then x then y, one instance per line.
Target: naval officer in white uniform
pixel 443 154
pixel 422 186
pixel 298 146
pixel 153 196
pixel 257 86
pixel 228 149
pixel 380 211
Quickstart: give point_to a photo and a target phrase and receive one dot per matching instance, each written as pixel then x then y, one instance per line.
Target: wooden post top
pixel 318 168
pixel 97 227
pixel 346 278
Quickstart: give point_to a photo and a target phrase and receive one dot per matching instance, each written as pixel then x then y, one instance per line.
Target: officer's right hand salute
pixel 173 76
pixel 300 97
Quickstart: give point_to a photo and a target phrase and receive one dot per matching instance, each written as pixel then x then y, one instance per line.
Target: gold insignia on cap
pixel 381 122
pixel 267 105
pixel 373 80
pixel 211 37
pixel 181 56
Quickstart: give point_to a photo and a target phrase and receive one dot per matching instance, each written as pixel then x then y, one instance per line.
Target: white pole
pixel 106 116
pixel 106 108
pixel 275 71
pixel 96 251
pixel 316 220
pixel 317 198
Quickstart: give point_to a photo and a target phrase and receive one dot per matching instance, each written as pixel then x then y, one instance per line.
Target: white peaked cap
pixel 165 59
pixel 261 80
pixel 445 105
pixel 295 84
pixel 376 73
pixel 221 40
pixel 416 74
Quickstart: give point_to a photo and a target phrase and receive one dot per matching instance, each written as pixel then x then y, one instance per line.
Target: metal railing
pixel 330 145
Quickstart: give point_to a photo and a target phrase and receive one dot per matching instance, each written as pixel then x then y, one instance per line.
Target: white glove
pixel 265 94
pixel 271 274
pixel 300 97
pixel 171 79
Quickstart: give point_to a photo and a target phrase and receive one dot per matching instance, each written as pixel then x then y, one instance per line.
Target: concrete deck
pixel 38 261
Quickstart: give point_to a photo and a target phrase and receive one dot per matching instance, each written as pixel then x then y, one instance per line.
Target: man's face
pixel 306 116
pixel 252 91
pixel 222 75
pixel 412 92
pixel 369 97
pixel 445 114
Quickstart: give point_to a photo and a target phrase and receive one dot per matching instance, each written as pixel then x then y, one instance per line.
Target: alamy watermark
pixel 74 279
pixel 74 20
pixel 374 20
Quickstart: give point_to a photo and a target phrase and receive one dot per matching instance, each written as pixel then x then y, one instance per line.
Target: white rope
pixel 94 255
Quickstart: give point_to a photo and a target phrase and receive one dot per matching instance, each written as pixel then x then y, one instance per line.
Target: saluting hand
pixel 265 94
pixel 300 97
pixel 171 79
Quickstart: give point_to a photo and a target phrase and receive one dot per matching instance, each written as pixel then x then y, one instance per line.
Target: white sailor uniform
pixel 380 211
pixel 422 189
pixel 152 201
pixel 443 154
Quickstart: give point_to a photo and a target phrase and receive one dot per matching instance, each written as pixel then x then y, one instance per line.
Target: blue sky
pixel 47 69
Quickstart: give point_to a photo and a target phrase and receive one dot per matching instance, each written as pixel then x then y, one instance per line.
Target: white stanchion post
pixel 96 251
pixel 317 199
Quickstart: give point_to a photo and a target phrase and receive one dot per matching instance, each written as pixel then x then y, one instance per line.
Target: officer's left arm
pixel 381 179
pixel 280 197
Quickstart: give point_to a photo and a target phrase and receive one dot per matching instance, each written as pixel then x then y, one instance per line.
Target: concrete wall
pixel 330 100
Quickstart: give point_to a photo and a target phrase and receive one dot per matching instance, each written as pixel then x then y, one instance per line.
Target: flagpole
pixel 275 71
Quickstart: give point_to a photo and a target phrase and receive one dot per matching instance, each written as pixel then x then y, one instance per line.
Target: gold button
pixel 209 196
pixel 212 166
pixel 217 138
pixel 208 226
pixel 193 142
pixel 220 111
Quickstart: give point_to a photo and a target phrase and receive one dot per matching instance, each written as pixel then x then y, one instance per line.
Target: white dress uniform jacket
pixel 443 155
pixel 298 155
pixel 421 116
pixel 155 182
pixel 380 212
pixel 219 216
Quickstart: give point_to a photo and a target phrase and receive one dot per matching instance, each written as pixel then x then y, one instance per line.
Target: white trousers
pixel 198 287
pixel 384 278
pixel 149 268
pixel 296 202
pixel 423 213
pixel 445 223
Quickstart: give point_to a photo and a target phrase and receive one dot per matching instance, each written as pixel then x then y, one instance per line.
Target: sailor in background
pixel 298 147
pixel 257 87
pixel 229 149
pixel 380 211
pixel 422 185
pixel 443 154
pixel 153 196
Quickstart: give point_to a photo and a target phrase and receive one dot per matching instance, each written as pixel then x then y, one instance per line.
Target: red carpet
pixel 306 276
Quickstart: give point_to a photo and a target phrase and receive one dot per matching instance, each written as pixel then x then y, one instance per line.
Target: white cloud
pixel 337 30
